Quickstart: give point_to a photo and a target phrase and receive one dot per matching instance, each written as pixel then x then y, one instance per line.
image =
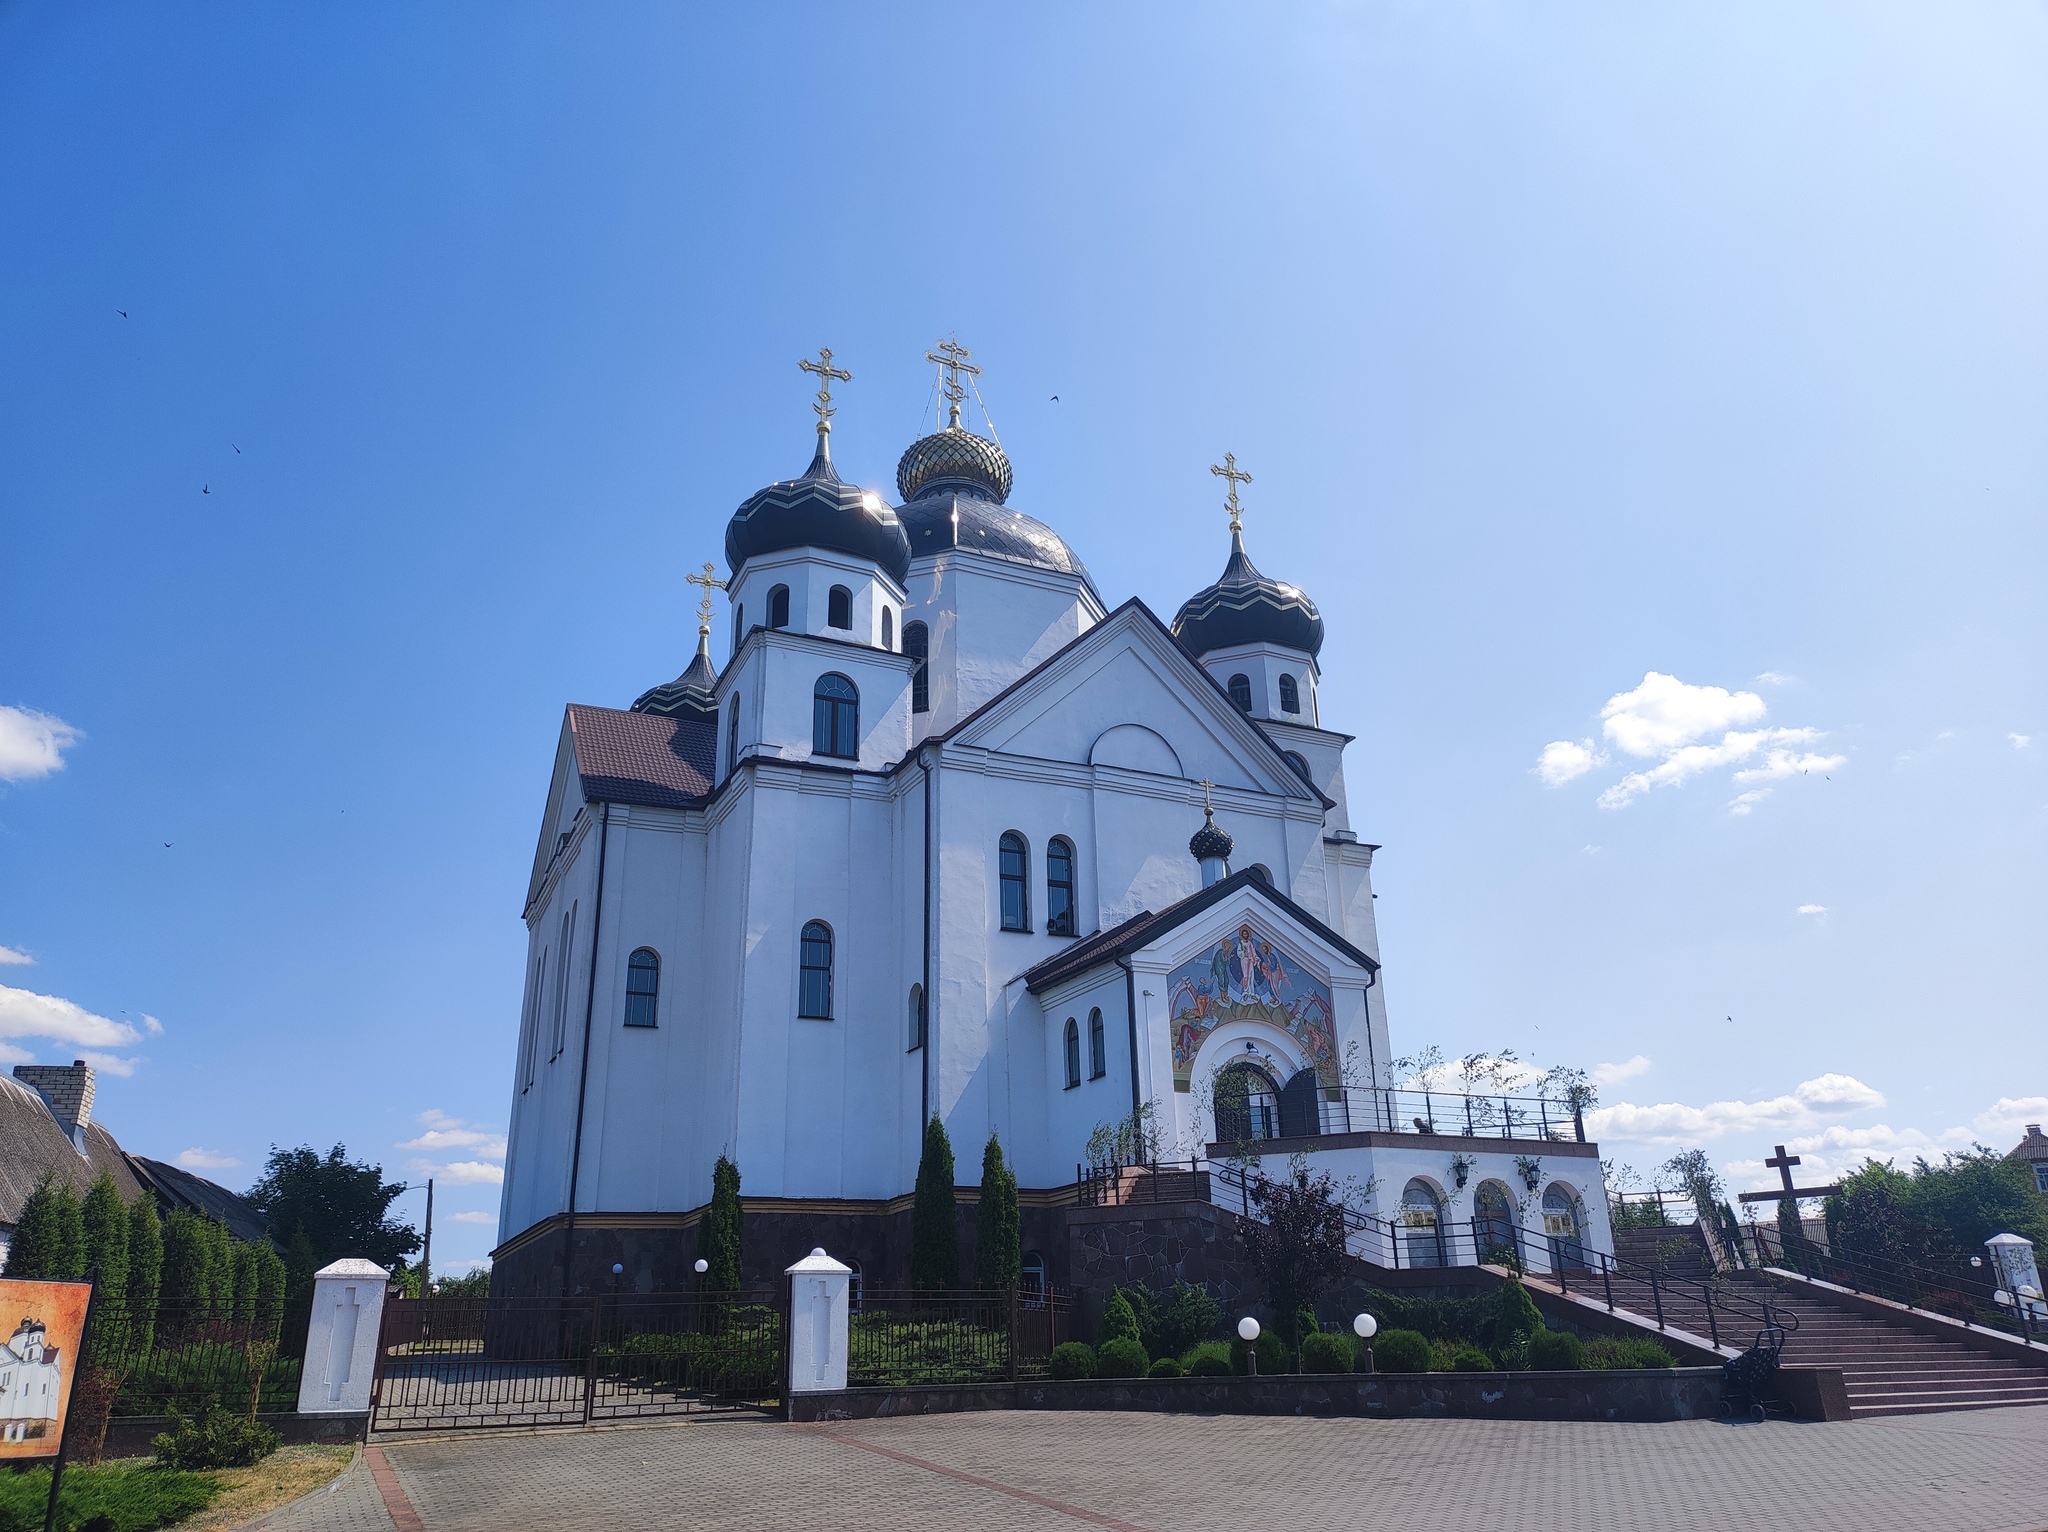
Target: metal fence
pixel 1955 1289
pixel 455 1363
pixel 900 1338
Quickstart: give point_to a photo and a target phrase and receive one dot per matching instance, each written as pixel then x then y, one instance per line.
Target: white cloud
pixel 444 1132
pixel 1614 1074
pixel 2006 1119
pixel 108 1063
pixel 206 1159
pixel 1742 803
pixel 1784 763
pixel 14 957
pixel 32 744
pixel 9 1054
pixel 1664 713
pixel 23 1013
pixel 1690 760
pixel 1774 678
pixel 2020 741
pixel 1562 760
pixel 1676 1123
pixel 151 1025
pixel 1811 909
pixel 462 1172
pixel 472 1217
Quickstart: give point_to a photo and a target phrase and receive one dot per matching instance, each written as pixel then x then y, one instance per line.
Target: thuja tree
pixel 998 1253
pixel 103 1224
pixel 719 1239
pixel 49 1237
pixel 934 1245
pixel 1298 1251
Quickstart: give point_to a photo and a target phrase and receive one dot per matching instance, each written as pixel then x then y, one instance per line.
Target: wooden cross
pixel 1782 1163
pixel 953 356
pixel 826 373
pixel 1228 469
pixel 710 581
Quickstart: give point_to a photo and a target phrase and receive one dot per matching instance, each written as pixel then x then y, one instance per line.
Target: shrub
pixel 1466 1357
pixel 1119 1319
pixel 1275 1355
pixel 1401 1351
pixel 219 1440
pixel 1607 1352
pixel 1515 1319
pixel 1072 1359
pixel 1556 1351
pixel 1121 1357
pixel 1167 1367
pixel 1209 1359
pixel 1322 1351
pixel 124 1499
pixel 1187 1314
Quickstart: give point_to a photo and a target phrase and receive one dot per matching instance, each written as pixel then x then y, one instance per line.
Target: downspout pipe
pixel 583 1075
pixel 1131 1015
pixel 924 1101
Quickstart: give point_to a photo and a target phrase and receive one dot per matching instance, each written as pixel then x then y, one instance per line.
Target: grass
pixel 133 1496
pixel 279 1479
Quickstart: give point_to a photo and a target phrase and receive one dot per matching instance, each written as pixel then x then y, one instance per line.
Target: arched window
pixel 739 627
pixel 814 973
pixel 839 607
pixel 1073 1040
pixel 1493 1222
pixel 888 630
pixel 535 1008
pixel 1098 1055
pixel 732 735
pixel 1564 1225
pixel 1059 886
pixel 1013 870
pixel 778 607
pixel 643 986
pixel 1290 695
pixel 1300 763
pixel 853 1288
pixel 917 643
pixel 562 969
pixel 835 717
pixel 1241 692
pixel 1031 1280
pixel 918 1027
pixel 1422 1224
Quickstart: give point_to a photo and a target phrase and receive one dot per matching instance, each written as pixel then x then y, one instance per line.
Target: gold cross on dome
pixel 826 373
pixel 953 356
pixel 710 581
pixel 1228 469
pixel 1207 807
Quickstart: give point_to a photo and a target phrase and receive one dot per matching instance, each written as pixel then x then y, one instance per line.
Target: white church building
pixel 949 834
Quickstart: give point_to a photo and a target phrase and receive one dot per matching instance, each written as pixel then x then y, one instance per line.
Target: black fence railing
pixel 1122 1185
pixel 902 1338
pixel 448 1363
pixel 1363 1109
pixel 191 1355
pixel 1954 1290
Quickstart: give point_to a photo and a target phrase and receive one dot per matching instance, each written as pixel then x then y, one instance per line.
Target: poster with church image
pixel 1249 977
pixel 44 1322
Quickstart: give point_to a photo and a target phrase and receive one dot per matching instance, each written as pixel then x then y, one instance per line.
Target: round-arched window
pixel 835 717
pixel 643 986
pixel 814 972
pixel 1240 689
pixel 1247 1104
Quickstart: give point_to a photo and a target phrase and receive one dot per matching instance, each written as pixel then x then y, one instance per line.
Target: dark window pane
pixel 839 607
pixel 835 717
pixel 1059 888
pixel 814 994
pixel 1016 911
pixel 917 644
pixel 1073 1054
pixel 888 629
pixel 778 607
pixel 1290 695
pixel 1098 1062
pixel 1241 692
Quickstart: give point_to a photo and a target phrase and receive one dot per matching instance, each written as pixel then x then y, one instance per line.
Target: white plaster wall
pixel 810 574
pixel 991 621
pixel 1263 665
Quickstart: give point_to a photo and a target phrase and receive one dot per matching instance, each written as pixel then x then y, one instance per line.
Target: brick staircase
pixel 1888 1368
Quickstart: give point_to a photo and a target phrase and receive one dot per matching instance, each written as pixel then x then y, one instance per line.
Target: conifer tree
pixel 246 1264
pixel 104 1221
pixel 49 1237
pixel 998 1256
pixel 270 1285
pixel 720 1236
pixel 934 1242
pixel 187 1280
pixel 145 1267
pixel 1119 1319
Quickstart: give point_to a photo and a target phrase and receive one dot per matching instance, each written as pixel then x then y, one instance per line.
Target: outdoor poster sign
pixel 42 1323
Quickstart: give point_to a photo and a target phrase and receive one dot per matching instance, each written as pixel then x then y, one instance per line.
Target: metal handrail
pixel 1908 1282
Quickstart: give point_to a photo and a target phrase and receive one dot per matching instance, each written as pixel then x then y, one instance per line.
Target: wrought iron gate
pixel 474 1363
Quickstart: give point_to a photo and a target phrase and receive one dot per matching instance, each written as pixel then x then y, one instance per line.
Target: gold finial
pixel 953 356
pixel 710 581
pixel 1228 469
pixel 826 373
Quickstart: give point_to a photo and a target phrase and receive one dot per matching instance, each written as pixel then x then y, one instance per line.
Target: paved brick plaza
pixel 1980 1471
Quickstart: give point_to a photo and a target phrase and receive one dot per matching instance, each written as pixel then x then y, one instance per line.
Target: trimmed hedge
pixel 1610 1352
pixel 1210 1359
pixel 1167 1367
pixel 1073 1359
pixel 1322 1351
pixel 1400 1351
pixel 1556 1351
pixel 1121 1357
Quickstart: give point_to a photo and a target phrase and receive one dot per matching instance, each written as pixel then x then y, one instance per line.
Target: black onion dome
pixel 817 510
pixel 1244 607
pixel 1209 842
pixel 956 459
pixel 693 693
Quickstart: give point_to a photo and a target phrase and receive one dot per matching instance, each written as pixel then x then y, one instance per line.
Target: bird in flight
pixel 238 450
pixel 122 312
pixel 167 845
pixel 1055 398
pixel 206 489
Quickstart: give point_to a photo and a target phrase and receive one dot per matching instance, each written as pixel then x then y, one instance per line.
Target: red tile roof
pixel 648 758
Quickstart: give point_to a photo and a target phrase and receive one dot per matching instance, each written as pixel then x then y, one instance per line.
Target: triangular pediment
pixel 1125 694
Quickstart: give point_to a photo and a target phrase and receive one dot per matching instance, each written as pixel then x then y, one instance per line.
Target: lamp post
pixel 1248 1332
pixel 1365 1327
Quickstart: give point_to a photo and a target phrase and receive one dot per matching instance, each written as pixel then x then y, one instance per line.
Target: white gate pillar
pixel 819 1320
pixel 341 1340
pixel 2012 1261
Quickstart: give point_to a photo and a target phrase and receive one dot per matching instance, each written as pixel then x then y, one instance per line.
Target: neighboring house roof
pixel 32 1143
pixel 180 1189
pixel 662 761
pixel 2033 1147
pixel 1146 927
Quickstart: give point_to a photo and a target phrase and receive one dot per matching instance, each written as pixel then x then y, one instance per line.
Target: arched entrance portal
pixel 1247 1104
pixel 1493 1221
pixel 1422 1230
pixel 1565 1227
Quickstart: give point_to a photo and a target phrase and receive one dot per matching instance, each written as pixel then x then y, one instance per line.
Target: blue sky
pixel 374 376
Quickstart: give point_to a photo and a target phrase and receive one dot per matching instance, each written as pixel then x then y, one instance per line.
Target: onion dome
pixel 1245 607
pixel 694 693
pixel 953 485
pixel 955 459
pixel 817 509
pixel 1210 844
